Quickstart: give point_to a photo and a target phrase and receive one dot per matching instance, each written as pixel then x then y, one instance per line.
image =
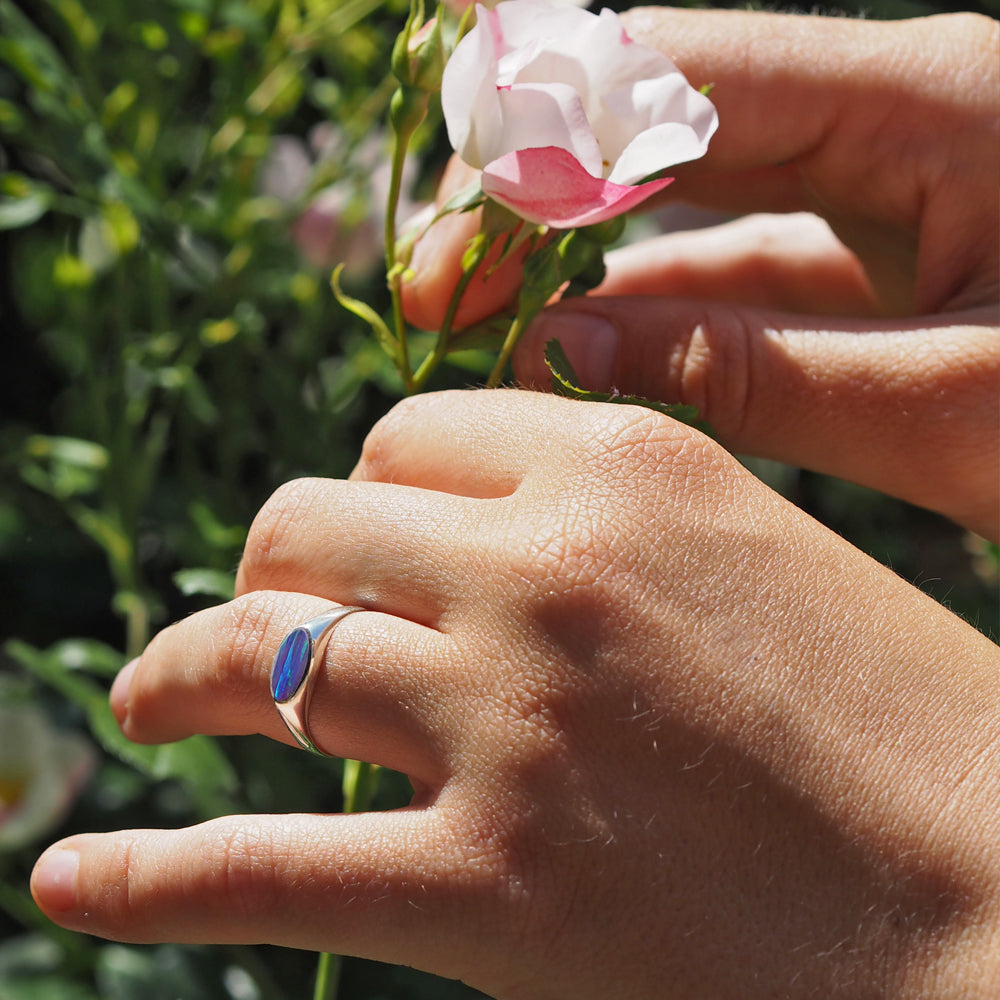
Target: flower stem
pixel 474 259
pixel 327 977
pixel 517 327
pixel 408 108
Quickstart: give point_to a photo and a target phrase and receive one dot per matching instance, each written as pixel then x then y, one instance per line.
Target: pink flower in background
pixel 565 115
pixel 42 770
pixel 342 222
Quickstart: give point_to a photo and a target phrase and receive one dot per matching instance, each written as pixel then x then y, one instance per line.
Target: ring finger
pixel 376 694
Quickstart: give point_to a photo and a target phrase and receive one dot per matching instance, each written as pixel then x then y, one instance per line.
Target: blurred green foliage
pixel 168 359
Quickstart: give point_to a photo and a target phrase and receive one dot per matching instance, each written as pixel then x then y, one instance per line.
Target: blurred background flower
pixel 338 222
pixel 42 771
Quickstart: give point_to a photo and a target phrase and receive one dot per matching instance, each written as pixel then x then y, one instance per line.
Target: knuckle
pixel 274 527
pixel 379 445
pixel 239 639
pixel 712 368
pixel 234 637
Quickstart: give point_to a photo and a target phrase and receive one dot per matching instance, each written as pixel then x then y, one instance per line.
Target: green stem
pixel 327 977
pixel 360 783
pixel 517 326
pixel 402 134
pixel 433 359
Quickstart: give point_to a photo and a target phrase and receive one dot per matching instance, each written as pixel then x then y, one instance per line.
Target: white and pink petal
pixel 550 187
pixel 533 117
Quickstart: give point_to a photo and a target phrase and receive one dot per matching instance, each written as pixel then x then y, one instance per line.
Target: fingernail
pixel 119 691
pixel 54 880
pixel 589 341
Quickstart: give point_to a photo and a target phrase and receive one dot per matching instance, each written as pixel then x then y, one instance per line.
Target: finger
pixel 789 262
pixel 394 887
pixel 842 131
pixel 846 398
pixel 377 694
pixel 380 545
pixel 436 265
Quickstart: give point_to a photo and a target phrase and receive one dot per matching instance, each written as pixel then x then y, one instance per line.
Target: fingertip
pixel 589 340
pixel 119 692
pixel 55 880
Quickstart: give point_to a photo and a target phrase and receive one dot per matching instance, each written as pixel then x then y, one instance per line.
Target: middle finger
pixel 409 552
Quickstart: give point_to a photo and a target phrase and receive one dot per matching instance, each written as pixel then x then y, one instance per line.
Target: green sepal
pixel 365 312
pixel 566 383
pixel 463 200
pixel 605 232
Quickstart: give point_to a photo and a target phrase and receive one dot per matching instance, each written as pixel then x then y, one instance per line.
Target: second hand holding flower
pixel 569 120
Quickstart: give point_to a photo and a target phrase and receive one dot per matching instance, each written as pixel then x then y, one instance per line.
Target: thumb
pixel 907 407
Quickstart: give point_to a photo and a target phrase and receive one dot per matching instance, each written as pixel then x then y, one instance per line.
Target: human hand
pixel 669 736
pixel 872 354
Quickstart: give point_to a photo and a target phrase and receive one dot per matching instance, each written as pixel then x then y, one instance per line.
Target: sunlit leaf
pixel 205 581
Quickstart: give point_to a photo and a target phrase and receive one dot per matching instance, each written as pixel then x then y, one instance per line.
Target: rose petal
pixel 468 90
pixel 536 116
pixel 550 187
pixel 527 21
pixel 653 124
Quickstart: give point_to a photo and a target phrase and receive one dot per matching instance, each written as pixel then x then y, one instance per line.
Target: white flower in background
pixel 565 115
pixel 42 770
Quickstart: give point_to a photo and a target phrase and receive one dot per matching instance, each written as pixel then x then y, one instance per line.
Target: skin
pixel 830 342
pixel 669 736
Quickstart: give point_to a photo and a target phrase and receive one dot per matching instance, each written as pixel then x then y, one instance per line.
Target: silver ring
pixel 293 674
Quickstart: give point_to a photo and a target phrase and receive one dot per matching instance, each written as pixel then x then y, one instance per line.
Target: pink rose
pixel 565 115
pixel 459 6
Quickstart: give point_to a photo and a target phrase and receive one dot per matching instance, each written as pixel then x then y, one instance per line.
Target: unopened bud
pixel 418 56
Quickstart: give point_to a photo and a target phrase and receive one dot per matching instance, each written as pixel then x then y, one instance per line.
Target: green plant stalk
pixel 435 358
pixel 404 125
pixel 328 970
pixel 517 327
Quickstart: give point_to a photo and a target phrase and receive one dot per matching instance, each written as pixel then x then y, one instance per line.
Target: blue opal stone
pixel 291 664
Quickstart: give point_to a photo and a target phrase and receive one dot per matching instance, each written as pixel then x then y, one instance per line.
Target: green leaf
pixel 164 972
pixel 77 452
pixel 565 383
pixel 63 466
pixel 44 987
pixel 30 54
pixel 365 312
pixel 89 656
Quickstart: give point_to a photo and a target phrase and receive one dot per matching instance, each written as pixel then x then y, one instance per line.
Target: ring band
pixel 293 674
